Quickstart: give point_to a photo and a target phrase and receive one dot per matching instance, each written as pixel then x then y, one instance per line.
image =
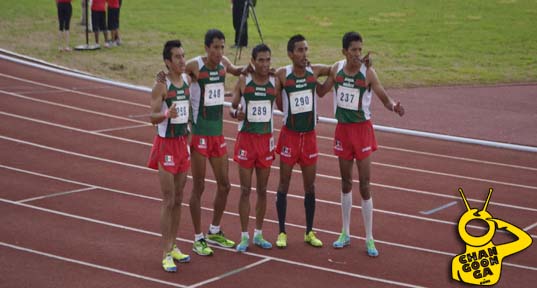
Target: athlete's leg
pixel 262 176
pixel 166 180
pixel 198 186
pixel 179 185
pixel 245 175
pixel 308 178
pixel 281 197
pixel 345 169
pixel 220 170
pixel 364 171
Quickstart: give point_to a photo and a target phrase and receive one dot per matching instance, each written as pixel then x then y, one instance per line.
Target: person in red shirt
pixel 113 21
pixel 98 20
pixel 65 10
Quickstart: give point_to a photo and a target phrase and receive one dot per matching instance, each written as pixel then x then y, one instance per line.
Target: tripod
pixel 248 6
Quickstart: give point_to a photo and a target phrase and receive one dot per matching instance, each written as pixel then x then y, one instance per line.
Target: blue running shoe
pixel 259 241
pixel 371 250
pixel 342 241
pixel 243 245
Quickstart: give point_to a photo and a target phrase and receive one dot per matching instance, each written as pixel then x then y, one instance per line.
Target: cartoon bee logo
pixel 481 263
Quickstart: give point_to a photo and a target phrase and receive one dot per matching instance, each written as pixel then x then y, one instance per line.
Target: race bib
pixel 259 111
pixel 347 98
pixel 182 112
pixel 214 94
pixel 301 101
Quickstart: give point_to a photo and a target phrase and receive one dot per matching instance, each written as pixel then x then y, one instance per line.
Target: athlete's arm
pixel 324 88
pixel 236 110
pixel 192 69
pixel 379 90
pixel 321 69
pixel 157 95
pixel 280 77
pixel 232 69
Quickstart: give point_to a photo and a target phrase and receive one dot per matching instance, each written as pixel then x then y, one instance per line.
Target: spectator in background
pixel 65 10
pixel 113 21
pixel 238 10
pixel 98 20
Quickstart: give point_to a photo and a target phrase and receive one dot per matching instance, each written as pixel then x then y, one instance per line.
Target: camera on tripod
pixel 249 6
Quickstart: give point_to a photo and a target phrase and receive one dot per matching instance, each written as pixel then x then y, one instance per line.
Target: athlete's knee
pixel 283 187
pixel 245 191
pixel 310 189
pixel 198 186
pixel 346 185
pixel 364 188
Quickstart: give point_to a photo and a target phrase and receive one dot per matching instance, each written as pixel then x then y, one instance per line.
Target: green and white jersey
pixel 258 104
pixel 299 100
pixel 207 100
pixel 178 126
pixel 352 99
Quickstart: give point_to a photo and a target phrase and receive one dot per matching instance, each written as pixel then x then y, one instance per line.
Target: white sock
pixel 346 205
pixel 367 214
pixel 214 229
pixel 245 234
pixel 257 232
pixel 198 237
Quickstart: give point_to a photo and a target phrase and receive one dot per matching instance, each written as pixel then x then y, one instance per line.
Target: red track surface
pixel 79 208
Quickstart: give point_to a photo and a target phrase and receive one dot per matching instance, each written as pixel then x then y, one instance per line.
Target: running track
pixel 79 208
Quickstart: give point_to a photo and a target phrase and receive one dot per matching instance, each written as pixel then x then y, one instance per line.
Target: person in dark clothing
pixel 238 10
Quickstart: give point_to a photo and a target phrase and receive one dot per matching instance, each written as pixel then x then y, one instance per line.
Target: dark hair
pixel 292 41
pixel 211 34
pixel 167 51
pixel 260 48
pixel 350 37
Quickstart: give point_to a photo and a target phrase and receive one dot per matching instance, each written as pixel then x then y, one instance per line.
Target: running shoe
pixel 342 241
pixel 177 255
pixel 371 250
pixel 220 239
pixel 311 239
pixel 200 247
pixel 281 242
pixel 259 241
pixel 243 245
pixel 167 263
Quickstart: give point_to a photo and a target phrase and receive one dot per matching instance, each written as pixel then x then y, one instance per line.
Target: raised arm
pixel 379 90
pixel 192 69
pixel 324 88
pixel 321 69
pixel 232 69
pixel 523 241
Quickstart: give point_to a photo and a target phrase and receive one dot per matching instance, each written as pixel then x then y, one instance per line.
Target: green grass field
pixel 416 43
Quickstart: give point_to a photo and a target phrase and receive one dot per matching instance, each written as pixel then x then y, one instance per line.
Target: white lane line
pixel 119 128
pixel 68 215
pixel 235 185
pixel 429 212
pixel 302 227
pixel 319 174
pixel 530 227
pixel 74 91
pixel 318 136
pixel 88 264
pixel 56 194
pixel 230 273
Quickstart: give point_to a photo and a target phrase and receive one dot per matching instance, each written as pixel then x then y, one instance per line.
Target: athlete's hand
pixel 161 77
pixel 398 108
pixel 172 111
pixel 240 115
pixel 367 60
